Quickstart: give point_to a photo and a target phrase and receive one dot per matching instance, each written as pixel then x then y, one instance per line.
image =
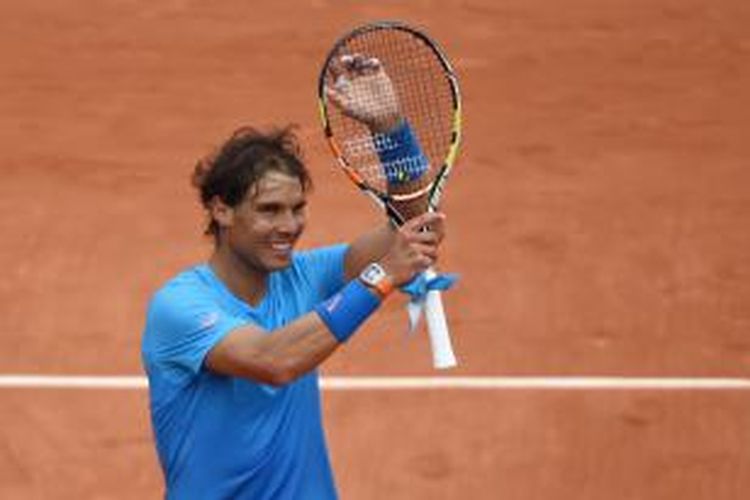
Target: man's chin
pixel 278 263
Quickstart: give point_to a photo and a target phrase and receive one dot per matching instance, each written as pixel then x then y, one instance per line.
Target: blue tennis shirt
pixel 222 437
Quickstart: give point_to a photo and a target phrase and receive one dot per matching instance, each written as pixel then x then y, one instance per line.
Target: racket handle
pixel 437 328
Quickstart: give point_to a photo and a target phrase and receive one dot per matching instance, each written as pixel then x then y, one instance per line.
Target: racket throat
pixel 409 199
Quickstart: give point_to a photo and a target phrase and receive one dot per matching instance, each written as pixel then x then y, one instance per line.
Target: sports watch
pixel 375 277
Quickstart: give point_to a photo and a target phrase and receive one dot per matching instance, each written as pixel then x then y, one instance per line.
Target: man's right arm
pixel 275 359
pixel 279 357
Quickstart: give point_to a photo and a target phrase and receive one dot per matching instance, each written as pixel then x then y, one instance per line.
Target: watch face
pixel 373 274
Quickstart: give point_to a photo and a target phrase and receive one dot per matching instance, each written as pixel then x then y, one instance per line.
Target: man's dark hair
pixel 242 160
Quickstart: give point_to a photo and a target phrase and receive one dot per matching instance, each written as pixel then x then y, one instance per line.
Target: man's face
pixel 265 226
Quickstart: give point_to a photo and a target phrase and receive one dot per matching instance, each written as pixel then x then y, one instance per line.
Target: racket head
pixel 428 94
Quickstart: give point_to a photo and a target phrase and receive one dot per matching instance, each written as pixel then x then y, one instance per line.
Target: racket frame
pixel 442 350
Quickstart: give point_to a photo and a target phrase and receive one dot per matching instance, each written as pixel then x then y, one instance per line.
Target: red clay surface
pixel 598 217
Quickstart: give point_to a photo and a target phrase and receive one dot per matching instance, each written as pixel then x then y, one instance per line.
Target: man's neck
pixel 244 280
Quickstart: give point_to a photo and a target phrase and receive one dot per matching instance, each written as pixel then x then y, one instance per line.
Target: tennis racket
pixel 391 112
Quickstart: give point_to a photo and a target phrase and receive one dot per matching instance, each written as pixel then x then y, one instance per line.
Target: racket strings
pixel 359 150
pixel 425 99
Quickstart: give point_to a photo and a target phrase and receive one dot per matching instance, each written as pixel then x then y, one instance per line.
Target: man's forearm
pixel 369 247
pixel 287 353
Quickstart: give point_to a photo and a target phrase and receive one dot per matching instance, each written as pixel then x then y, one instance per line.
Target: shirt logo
pixel 209 320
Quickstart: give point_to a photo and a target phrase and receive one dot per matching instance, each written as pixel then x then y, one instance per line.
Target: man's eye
pixel 268 209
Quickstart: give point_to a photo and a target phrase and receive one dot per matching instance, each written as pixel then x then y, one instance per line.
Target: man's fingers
pixel 336 97
pixel 342 83
pixel 438 228
pixel 337 67
pixel 359 64
pixel 425 237
pixel 424 221
pixel 347 60
pixel 371 65
pixel 355 62
pixel 426 251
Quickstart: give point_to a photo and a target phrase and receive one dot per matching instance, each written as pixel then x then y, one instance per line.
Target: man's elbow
pixel 280 374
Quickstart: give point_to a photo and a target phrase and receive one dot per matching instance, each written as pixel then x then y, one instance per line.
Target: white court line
pixel 333 383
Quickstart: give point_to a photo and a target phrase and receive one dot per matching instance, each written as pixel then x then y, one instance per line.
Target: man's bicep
pixel 239 353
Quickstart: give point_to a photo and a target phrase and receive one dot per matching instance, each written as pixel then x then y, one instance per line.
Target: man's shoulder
pixel 187 300
pixel 188 282
pixel 318 255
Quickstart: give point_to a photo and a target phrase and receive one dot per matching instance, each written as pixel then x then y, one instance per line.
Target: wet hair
pixel 241 161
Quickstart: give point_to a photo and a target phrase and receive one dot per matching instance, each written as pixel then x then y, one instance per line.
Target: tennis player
pixel 231 346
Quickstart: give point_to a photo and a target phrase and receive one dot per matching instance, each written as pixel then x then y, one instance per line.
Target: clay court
pixel 599 219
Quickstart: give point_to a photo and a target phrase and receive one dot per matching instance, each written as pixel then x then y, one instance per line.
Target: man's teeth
pixel 281 246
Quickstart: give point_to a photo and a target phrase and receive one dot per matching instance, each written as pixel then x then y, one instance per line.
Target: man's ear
pixel 222 213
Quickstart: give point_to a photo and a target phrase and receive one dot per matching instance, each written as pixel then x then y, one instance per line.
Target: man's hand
pixel 363 91
pixel 414 247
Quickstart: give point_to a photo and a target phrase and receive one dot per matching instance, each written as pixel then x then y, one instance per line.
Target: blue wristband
pixel 400 155
pixel 348 309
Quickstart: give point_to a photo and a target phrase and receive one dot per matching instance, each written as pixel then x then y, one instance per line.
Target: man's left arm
pixel 369 247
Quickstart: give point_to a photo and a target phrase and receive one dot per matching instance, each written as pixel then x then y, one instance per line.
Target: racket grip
pixel 437 327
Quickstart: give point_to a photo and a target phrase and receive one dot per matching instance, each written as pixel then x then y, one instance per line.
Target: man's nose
pixel 289 222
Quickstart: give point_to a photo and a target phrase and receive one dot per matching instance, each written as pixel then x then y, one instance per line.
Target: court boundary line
pixel 358 383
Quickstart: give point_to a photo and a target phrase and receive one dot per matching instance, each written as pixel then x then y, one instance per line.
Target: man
pixel 231 346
